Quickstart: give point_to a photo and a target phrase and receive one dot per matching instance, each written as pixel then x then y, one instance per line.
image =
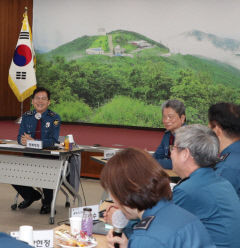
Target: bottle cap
pixel 87 209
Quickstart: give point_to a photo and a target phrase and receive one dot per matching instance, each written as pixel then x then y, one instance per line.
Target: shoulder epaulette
pixel 144 224
pixel 224 156
pixel 30 112
pixel 51 113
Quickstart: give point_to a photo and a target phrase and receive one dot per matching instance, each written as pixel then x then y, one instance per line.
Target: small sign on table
pixel 41 238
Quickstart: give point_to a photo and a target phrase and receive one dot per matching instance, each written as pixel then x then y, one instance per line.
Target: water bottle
pixel 87 221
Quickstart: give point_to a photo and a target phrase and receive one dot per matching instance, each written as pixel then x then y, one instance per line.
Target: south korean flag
pixel 22 77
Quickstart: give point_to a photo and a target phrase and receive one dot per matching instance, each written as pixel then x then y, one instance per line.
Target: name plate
pixel 79 211
pixel 41 238
pixel 36 144
pixel 109 153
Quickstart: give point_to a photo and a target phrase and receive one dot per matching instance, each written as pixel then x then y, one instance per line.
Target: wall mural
pixel 115 62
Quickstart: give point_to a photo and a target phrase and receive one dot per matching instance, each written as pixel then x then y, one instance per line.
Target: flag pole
pixel 19 120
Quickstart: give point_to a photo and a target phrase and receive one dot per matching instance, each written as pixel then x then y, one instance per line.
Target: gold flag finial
pixel 26 10
pixel 24 26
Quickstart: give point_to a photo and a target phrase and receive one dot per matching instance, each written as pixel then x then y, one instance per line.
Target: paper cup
pixel 75 223
pixel 26 234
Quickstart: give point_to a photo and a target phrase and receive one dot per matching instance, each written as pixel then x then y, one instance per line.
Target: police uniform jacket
pixel 50 126
pixel 169 226
pixel 214 201
pixel 162 152
pixel 7 241
pixel 229 167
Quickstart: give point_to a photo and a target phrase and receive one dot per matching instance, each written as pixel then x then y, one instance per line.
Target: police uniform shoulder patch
pixel 224 156
pixel 56 122
pixel 144 224
pixel 30 112
pixel 51 113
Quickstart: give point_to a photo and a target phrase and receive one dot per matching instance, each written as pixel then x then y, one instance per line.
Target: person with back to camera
pixel 140 188
pixel 41 124
pixel 173 117
pixel 202 192
pixel 224 119
pixel 7 241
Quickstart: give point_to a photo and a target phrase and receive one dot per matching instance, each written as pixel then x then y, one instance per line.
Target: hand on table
pixel 24 138
pixel 122 241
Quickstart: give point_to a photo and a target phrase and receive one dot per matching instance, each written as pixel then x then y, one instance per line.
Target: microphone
pixel 119 221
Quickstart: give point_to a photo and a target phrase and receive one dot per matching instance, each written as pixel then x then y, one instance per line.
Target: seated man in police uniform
pixel 224 119
pixel 40 124
pixel 202 192
pixel 173 117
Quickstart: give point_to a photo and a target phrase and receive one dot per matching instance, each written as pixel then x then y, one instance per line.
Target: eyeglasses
pixel 169 117
pixel 171 147
pixel 40 98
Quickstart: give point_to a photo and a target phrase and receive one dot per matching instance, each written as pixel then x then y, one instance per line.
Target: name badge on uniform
pixel 47 124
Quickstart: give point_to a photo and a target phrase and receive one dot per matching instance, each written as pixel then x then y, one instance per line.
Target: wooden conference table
pixel 101 239
pixel 101 160
pixel 36 171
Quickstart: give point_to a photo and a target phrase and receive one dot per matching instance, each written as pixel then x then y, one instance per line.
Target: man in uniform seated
pixel 224 119
pixel 202 192
pixel 173 117
pixel 40 124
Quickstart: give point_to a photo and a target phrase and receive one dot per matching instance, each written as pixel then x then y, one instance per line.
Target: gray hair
pixel 175 105
pixel 202 143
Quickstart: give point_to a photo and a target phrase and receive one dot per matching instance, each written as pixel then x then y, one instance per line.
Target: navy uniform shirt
pixel 229 167
pixel 162 152
pixel 169 226
pixel 8 242
pixel 214 201
pixel 50 127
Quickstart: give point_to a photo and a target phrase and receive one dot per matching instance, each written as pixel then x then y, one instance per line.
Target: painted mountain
pixel 208 45
pixel 122 77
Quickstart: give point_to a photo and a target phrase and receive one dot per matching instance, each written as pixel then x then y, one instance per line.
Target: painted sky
pixel 57 22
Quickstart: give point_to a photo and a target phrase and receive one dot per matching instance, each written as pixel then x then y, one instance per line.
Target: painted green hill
pixel 123 37
pixel 220 73
pixel 77 48
pixel 73 49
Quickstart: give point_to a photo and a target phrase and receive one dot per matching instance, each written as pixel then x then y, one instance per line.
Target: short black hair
pixel 227 116
pixel 41 89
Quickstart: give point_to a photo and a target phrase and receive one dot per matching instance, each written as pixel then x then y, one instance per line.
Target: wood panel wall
pixel 11 16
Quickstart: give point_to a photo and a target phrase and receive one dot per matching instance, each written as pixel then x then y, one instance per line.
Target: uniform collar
pixel 43 114
pixel 201 171
pixel 167 131
pixel 234 147
pixel 152 211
